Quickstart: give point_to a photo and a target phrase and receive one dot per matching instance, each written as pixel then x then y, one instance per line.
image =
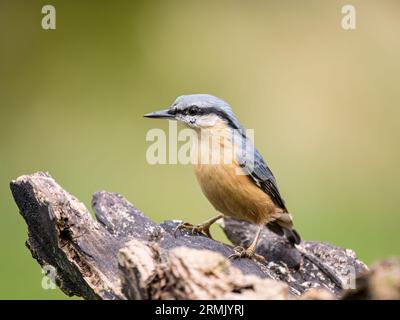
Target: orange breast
pixel 232 194
pixel 235 195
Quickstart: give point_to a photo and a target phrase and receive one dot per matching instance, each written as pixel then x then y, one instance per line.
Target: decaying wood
pixel 122 254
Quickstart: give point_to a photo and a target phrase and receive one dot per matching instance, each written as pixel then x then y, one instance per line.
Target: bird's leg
pixel 203 228
pixel 250 252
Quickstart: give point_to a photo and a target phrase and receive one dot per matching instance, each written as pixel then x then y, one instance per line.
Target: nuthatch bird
pixel 243 188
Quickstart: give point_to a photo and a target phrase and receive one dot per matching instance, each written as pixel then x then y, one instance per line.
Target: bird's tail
pixel 284 227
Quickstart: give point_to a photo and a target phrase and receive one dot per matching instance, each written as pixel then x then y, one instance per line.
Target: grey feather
pixel 254 165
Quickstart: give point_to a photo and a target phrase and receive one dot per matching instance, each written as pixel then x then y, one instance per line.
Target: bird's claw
pixel 240 252
pixel 203 229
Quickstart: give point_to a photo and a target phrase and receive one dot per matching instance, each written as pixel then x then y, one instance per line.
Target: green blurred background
pixel 324 103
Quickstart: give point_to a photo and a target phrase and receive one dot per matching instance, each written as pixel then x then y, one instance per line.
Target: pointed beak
pixel 162 114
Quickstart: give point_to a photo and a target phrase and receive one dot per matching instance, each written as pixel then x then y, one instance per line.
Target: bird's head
pixel 198 111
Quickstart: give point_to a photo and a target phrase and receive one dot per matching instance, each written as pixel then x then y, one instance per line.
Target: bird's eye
pixel 193 110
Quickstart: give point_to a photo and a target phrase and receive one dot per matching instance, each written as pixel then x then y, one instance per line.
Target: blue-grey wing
pixel 263 176
pixel 254 165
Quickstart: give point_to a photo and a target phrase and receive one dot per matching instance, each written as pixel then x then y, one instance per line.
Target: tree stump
pixel 122 254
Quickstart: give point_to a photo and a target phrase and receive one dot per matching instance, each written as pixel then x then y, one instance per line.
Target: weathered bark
pixel 122 254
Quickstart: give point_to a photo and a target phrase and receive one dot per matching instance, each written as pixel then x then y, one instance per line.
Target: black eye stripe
pixel 194 110
pixel 205 111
